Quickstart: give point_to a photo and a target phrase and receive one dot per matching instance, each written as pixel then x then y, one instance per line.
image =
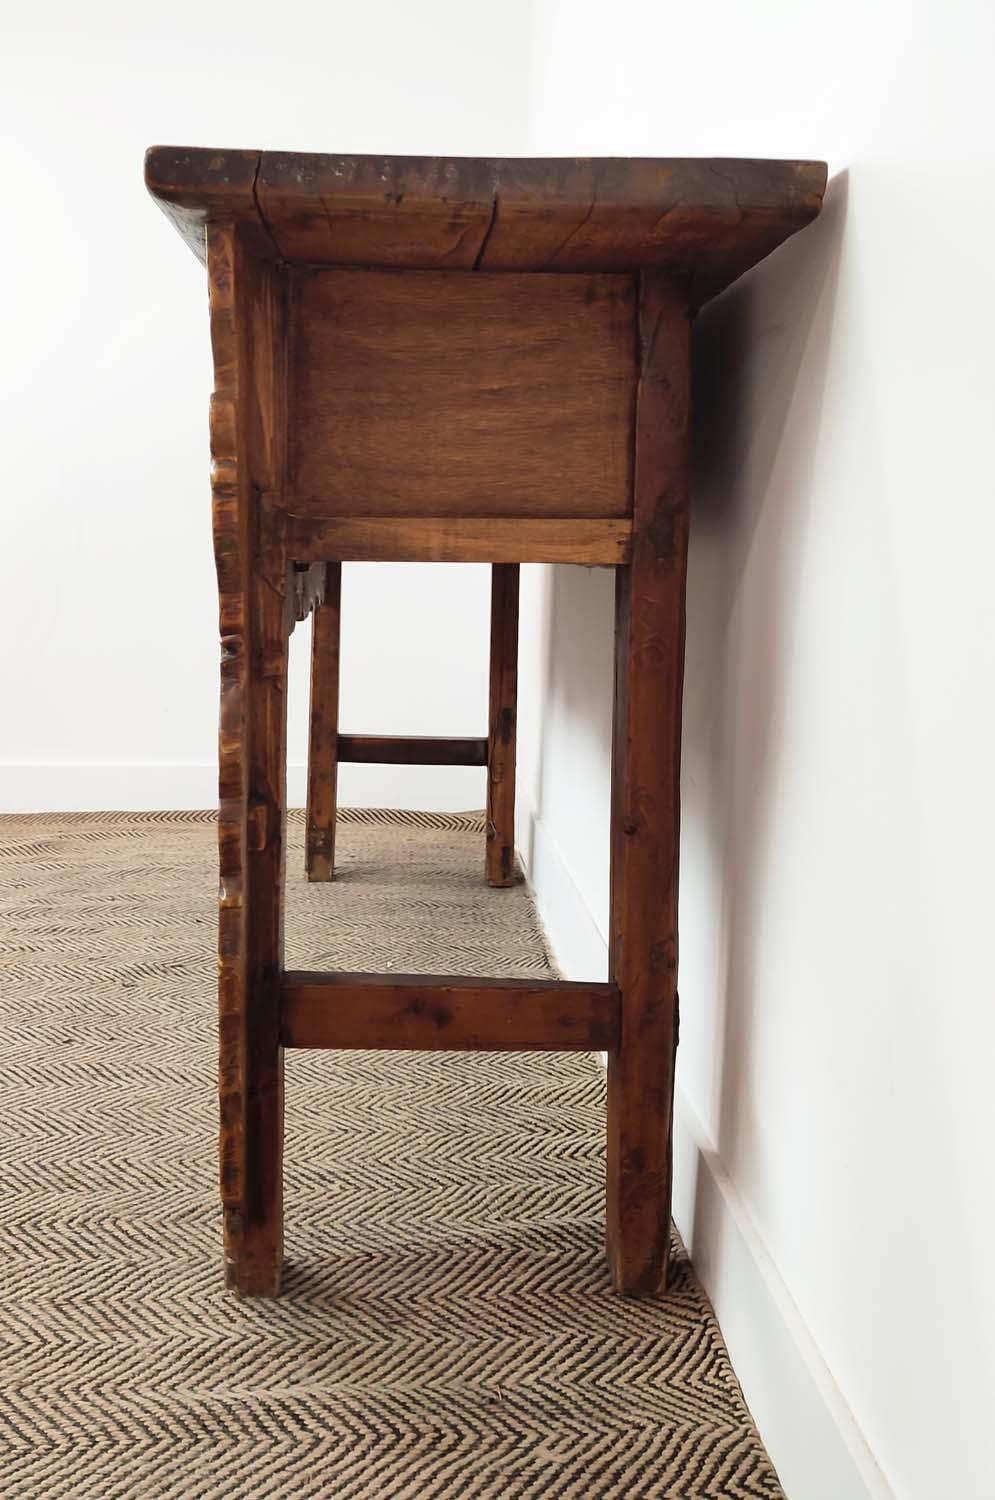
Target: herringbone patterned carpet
pixel 447 1329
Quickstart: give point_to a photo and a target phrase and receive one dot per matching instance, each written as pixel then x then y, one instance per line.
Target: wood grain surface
pixel 248 429
pixel 437 1013
pixel 437 394
pixel 645 817
pixel 706 220
pixel 458 539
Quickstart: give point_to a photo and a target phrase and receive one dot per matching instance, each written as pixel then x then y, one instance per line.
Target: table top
pixel 707 219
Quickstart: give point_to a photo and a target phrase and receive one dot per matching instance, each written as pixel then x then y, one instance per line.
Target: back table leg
pixel 323 756
pixel 502 725
pixel 649 672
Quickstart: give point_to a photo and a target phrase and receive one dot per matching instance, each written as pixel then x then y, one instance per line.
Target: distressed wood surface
pixel 437 1013
pixel 247 441
pixel 323 735
pixel 502 731
pixel 231 550
pixel 376 211
pixel 412 750
pixel 436 394
pixel 645 821
pixel 195 187
pixel 707 220
pixel 308 589
pixel 458 539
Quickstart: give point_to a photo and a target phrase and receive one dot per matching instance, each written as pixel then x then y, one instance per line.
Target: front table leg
pixel 247 312
pixel 649 670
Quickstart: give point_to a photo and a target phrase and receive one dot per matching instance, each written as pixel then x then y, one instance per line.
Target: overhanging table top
pixel 708 219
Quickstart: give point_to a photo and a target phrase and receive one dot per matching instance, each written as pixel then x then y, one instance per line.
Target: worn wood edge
pixel 231 550
pixel 195 186
pixel 429 1012
pixel 215 180
pixel 706 218
pixel 408 750
pixel 502 539
pixel 428 212
pixel 564 197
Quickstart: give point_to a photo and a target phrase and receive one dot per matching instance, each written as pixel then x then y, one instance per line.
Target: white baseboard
pixel 152 787
pixel 807 1427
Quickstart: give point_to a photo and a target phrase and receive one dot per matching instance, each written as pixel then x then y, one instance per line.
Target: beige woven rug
pixel 447 1328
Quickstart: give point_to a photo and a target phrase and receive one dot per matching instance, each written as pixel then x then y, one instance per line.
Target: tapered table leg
pixel 502 725
pixel 323 757
pixel 649 670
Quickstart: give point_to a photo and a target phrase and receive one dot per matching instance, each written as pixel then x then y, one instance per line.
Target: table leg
pixel 247 310
pixel 649 668
pixel 323 757
pixel 502 725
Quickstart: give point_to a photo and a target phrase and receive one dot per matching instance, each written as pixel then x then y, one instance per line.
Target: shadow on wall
pixel 573 773
pixel 761 355
pixel 748 490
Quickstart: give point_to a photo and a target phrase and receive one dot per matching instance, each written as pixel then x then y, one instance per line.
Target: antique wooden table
pixel 456 360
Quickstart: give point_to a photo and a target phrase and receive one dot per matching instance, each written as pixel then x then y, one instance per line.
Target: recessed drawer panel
pixel 426 393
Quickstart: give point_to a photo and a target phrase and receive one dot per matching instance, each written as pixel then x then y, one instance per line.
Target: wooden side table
pixel 452 361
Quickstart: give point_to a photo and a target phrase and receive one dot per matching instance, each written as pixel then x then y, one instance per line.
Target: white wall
pixel 837 1115
pixel 108 674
